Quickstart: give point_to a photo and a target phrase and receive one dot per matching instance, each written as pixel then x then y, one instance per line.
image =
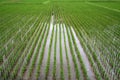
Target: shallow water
pixel 84 57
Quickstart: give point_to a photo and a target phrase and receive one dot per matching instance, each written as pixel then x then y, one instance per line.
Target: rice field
pixel 59 40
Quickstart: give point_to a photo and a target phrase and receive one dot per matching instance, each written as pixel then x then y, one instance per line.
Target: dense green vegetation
pixel 30 49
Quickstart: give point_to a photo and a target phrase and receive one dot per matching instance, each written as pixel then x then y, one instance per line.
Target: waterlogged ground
pixel 59 40
pixel 61 29
pixel 69 71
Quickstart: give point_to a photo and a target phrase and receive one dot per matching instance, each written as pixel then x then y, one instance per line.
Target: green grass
pixel 96 24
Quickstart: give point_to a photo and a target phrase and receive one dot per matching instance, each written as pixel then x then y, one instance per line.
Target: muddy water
pixel 28 67
pixel 52 58
pixel 44 61
pixel 74 52
pixel 33 77
pixel 64 54
pixel 84 57
pixel 26 73
pixel 58 55
pixel 24 52
pixel 72 68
